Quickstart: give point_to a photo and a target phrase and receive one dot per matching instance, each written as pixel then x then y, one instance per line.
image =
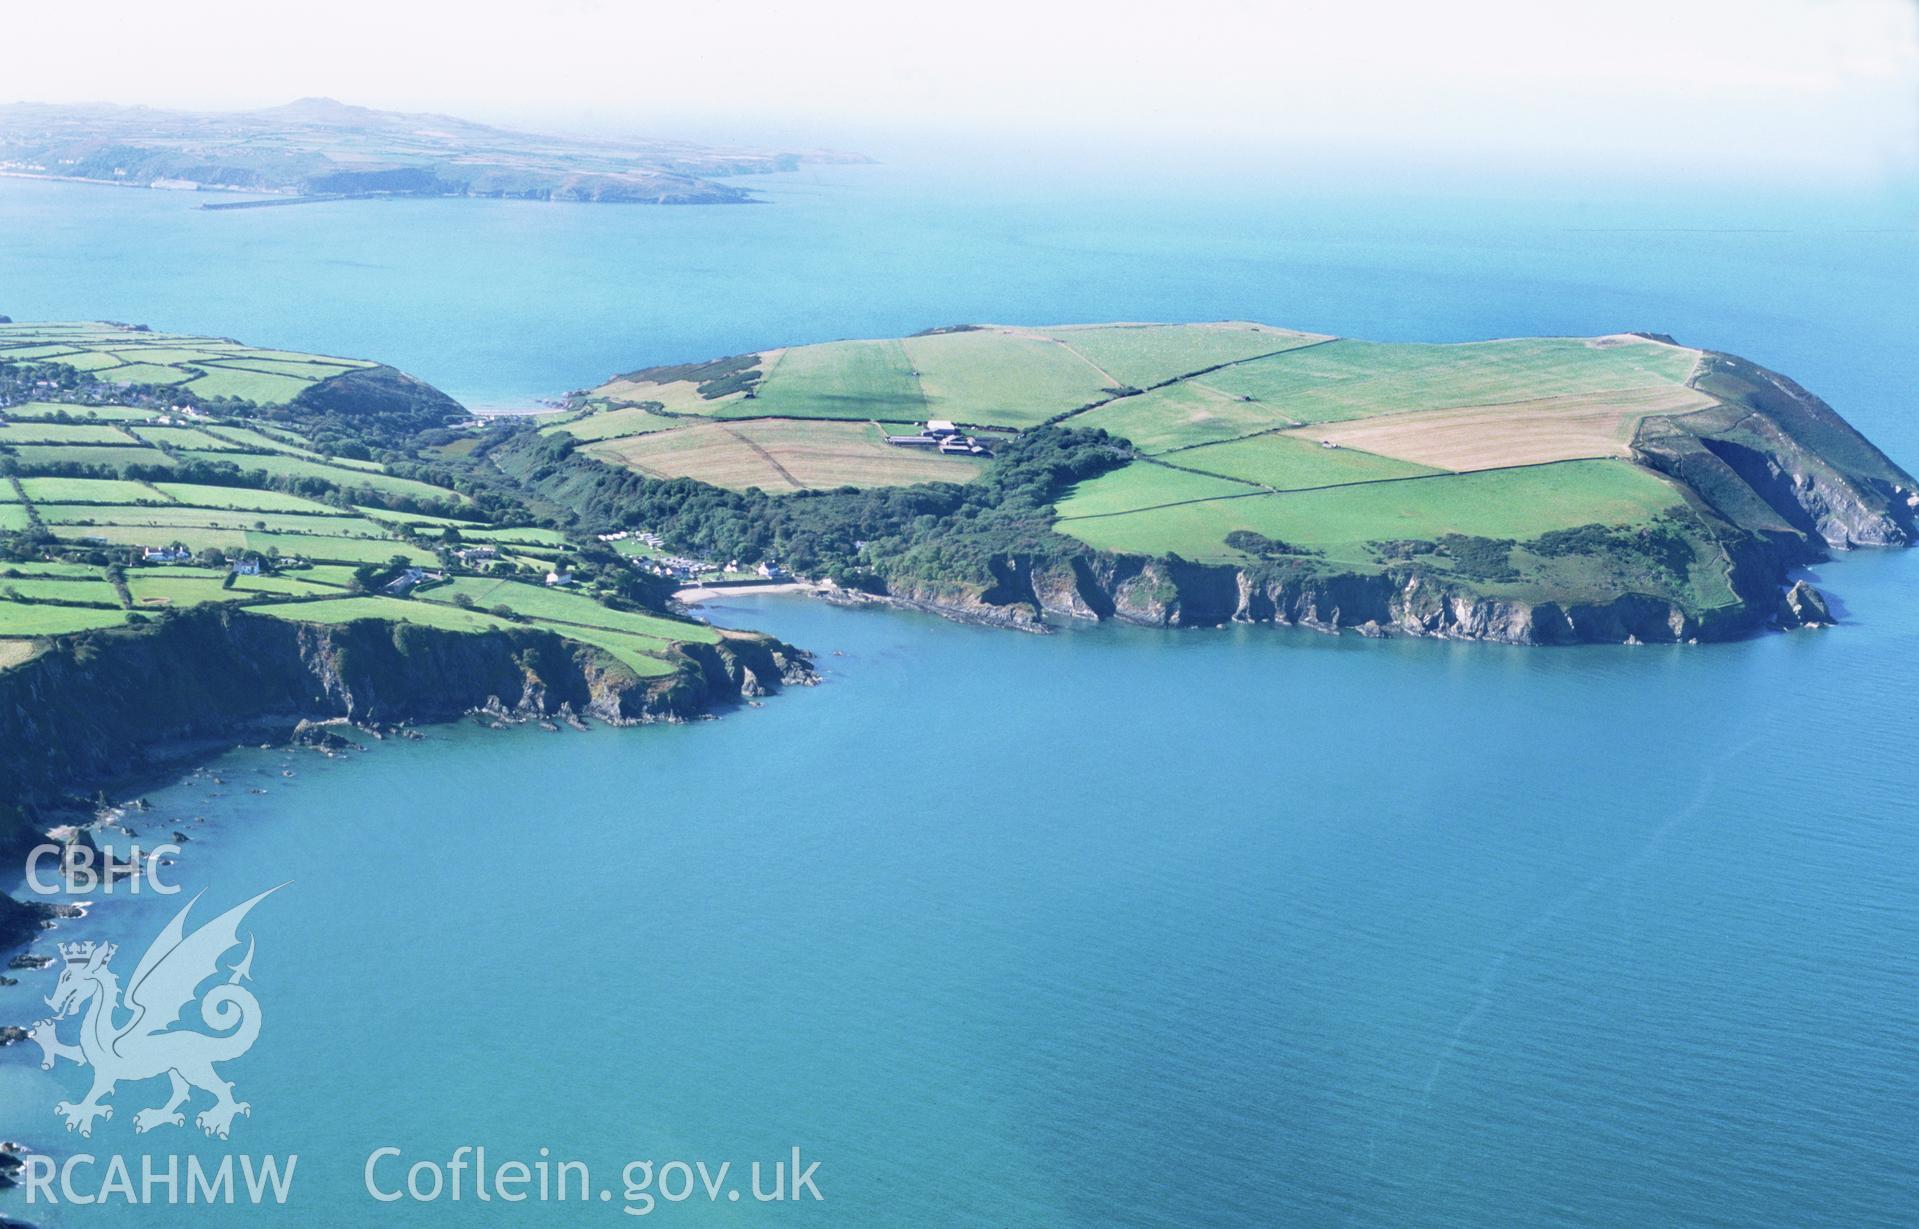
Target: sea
pixel 1115 927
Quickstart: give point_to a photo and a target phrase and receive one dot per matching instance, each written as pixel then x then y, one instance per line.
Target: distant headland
pixel 321 149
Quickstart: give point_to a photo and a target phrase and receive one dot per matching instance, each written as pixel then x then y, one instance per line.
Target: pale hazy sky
pixel 1830 86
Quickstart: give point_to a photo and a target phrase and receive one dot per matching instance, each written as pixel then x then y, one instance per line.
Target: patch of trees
pixel 1477 558
pixel 1402 550
pixel 860 538
pixel 1260 545
pixel 368 405
pixel 1659 545
pixel 715 377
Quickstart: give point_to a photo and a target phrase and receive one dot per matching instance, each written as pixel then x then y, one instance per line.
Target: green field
pixel 1145 485
pixel 1356 379
pixel 1340 521
pixel 520 535
pixel 605 426
pixel 234 538
pixel 1180 416
pixel 24 619
pixel 539 602
pixel 61 589
pixel 1287 463
pixel 97 522
pixel 417 519
pixel 32 456
pixel 63 433
pixel 294 584
pixel 781 455
pixel 173 516
pixel 260 441
pixel 149 589
pixel 42 410
pixel 1206 384
pixel 185 437
pixel 210 367
pixel 636 652
pixel 1001 377
pixel 334 550
pixel 1142 355
pixel 398 610
pixel 91 491
pixel 259 387
pixel 335 575
pixel 349 478
pixel 243 498
pixel 840 379
pixel 193 537
pixel 14 569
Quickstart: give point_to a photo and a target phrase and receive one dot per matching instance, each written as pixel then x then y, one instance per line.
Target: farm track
pixel 768 457
pixel 1182 378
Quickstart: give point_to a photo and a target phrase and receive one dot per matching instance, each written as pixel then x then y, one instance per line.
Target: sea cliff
pixel 115 705
pixel 1173 593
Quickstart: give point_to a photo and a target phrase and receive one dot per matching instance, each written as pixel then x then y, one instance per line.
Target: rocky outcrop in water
pixel 1803 607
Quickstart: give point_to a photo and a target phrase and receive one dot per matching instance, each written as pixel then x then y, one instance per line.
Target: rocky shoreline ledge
pixel 107 709
pixel 1173 593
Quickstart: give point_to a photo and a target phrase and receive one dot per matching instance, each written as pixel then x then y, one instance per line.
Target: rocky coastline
pixel 1170 593
pixel 119 707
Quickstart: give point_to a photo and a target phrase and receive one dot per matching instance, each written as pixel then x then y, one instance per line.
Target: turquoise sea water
pixel 1115 927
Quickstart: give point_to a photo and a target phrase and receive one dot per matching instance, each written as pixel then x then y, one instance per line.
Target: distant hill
pixel 324 147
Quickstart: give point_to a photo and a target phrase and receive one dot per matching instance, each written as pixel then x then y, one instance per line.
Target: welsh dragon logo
pixel 143 1037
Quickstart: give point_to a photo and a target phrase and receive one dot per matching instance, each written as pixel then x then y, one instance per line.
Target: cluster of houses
pixel 944 437
pixel 411 579
pixel 671 567
pixel 246 565
pixel 677 567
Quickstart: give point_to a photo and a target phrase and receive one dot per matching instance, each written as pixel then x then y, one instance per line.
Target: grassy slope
pixel 840 379
pixel 783 455
pixel 1289 464
pixel 992 377
pixel 211 367
pixel 42 598
pixel 1340 521
pixel 1142 355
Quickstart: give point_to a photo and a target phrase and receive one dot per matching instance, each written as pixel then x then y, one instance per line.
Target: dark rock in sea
pixel 323 735
pixel 29 960
pixel 180 836
pixel 1802 606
